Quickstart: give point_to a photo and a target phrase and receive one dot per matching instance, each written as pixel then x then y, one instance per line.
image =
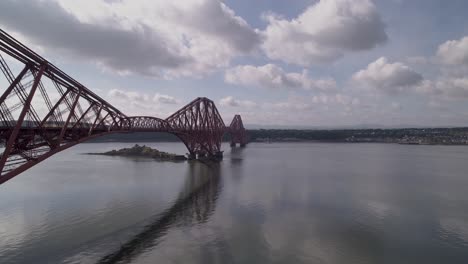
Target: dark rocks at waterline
pixel 143 151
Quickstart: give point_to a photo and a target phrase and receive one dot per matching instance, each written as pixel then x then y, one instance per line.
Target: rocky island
pixel 143 151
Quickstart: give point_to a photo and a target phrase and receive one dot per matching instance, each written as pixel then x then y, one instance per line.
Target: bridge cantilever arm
pixel 72 113
pixel 27 105
pixel 51 112
pixel 95 120
pixel 83 115
pixel 14 83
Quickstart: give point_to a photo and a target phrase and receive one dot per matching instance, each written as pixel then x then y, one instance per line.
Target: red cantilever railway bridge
pixel 34 126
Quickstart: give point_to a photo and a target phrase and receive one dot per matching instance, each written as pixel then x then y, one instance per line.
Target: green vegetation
pixel 143 151
pixel 445 136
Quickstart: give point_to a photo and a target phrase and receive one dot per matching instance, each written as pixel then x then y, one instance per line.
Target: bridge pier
pixel 218 156
pixel 241 144
pixel 237 131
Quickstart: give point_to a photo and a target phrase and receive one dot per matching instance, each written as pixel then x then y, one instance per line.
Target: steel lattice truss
pixel 200 126
pixel 44 111
pixel 237 131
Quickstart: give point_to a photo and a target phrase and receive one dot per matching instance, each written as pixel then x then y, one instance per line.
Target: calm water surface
pixel 267 203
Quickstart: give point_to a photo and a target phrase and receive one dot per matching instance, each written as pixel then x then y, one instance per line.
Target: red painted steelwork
pixel 34 126
pixel 200 126
pixel 237 131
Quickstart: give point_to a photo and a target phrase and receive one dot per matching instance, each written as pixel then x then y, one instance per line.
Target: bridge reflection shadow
pixel 237 154
pixel 195 204
pixel 236 160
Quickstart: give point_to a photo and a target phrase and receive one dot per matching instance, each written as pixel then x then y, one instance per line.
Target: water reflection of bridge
pixel 195 204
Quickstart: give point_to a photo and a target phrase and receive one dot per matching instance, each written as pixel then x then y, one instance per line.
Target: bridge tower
pixel 237 131
pixel 200 126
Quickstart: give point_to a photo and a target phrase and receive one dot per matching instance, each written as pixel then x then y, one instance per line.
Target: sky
pixel 298 63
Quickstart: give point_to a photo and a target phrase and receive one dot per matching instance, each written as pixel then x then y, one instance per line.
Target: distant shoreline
pixel 286 141
pixel 410 136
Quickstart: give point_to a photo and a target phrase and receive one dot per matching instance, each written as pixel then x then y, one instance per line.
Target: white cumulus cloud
pixel 232 102
pixel 164 99
pixel 445 88
pixel 128 96
pixel 454 52
pixel 324 32
pixel 138 103
pixel 156 38
pixel 390 78
pixel 273 76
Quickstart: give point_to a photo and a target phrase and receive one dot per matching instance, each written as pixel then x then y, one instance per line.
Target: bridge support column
pixel 219 155
pixel 241 144
pixel 237 131
pixel 191 156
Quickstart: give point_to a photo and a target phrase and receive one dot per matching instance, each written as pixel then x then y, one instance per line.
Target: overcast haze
pixel 330 63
